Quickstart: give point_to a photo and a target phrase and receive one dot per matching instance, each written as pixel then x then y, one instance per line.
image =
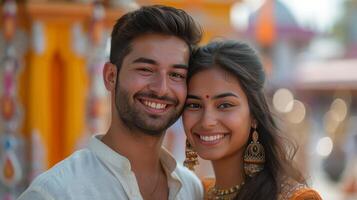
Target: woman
pixel 227 120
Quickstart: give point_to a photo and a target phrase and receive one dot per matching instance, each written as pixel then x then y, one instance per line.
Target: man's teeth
pixel 155 105
pixel 211 138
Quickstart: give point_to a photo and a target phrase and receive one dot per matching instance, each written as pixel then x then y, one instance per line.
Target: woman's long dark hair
pixel 243 62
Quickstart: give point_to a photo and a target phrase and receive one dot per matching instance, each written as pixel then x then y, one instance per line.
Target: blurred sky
pixel 318 15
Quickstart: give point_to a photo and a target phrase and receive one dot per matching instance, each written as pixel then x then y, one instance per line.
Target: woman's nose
pixel 208 119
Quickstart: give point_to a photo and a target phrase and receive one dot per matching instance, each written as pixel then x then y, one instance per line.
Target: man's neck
pixel 142 150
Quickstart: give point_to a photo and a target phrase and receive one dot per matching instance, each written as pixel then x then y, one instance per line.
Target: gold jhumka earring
pixel 254 156
pixel 191 159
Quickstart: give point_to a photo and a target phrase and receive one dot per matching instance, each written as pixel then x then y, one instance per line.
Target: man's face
pixel 151 88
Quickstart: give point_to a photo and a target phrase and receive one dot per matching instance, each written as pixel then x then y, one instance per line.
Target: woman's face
pixel 216 118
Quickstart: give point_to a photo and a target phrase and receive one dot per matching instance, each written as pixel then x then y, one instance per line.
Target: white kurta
pixel 99 173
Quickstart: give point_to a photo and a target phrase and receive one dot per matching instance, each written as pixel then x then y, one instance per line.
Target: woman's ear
pixel 109 76
pixel 254 123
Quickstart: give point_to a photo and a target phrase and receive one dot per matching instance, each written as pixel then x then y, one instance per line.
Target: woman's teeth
pixel 211 138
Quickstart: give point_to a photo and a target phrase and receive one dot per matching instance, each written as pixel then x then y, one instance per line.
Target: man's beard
pixel 138 119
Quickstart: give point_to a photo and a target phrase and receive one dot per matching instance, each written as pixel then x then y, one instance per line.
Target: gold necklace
pixel 224 194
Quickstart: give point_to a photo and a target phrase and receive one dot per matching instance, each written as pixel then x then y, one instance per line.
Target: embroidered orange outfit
pixel 290 190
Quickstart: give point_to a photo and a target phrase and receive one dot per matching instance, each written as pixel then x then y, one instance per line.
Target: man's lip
pixel 154 111
pixel 155 100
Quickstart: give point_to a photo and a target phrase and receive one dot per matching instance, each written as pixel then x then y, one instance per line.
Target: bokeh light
pixel 324 146
pixel 297 113
pixel 282 100
pixel 339 107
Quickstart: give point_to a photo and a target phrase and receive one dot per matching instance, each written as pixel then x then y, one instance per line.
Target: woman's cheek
pixel 188 122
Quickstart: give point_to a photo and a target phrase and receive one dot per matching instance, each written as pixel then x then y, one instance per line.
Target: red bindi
pixel 207 96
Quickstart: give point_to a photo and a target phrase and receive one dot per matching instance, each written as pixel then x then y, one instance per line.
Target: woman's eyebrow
pixel 226 94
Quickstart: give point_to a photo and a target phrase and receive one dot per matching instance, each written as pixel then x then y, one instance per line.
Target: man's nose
pixel 159 85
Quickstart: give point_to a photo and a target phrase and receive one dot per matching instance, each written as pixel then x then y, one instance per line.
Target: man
pixel 146 76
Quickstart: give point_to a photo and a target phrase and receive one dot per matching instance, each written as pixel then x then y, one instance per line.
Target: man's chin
pixel 156 122
pixel 150 129
pixel 148 124
pixel 153 133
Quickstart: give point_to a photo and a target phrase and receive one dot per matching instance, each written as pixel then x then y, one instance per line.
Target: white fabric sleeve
pixel 34 193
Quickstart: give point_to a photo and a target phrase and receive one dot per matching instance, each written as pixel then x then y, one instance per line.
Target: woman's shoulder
pixel 293 190
pixel 305 194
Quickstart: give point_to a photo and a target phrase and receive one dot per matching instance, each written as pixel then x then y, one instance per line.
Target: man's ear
pixel 109 76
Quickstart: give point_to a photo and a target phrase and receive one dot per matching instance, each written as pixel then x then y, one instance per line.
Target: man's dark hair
pixel 151 19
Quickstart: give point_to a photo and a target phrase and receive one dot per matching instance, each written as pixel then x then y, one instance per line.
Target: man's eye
pixel 192 106
pixel 225 105
pixel 177 76
pixel 145 71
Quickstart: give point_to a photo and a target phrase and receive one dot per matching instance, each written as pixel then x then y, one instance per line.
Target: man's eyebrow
pixel 180 66
pixel 153 62
pixel 145 60
pixel 227 94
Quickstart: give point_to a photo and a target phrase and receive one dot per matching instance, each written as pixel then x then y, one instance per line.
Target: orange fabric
pixel 306 194
pixel 39 99
pixel 208 183
pixel 301 194
pixel 56 84
pixel 265 27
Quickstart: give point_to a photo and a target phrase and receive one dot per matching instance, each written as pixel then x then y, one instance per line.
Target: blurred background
pixel 52 97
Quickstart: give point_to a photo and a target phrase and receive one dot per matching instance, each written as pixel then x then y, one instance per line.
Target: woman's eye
pixel 225 105
pixel 192 106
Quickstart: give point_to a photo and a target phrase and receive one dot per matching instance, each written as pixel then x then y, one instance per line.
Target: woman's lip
pixel 211 139
pixel 210 133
